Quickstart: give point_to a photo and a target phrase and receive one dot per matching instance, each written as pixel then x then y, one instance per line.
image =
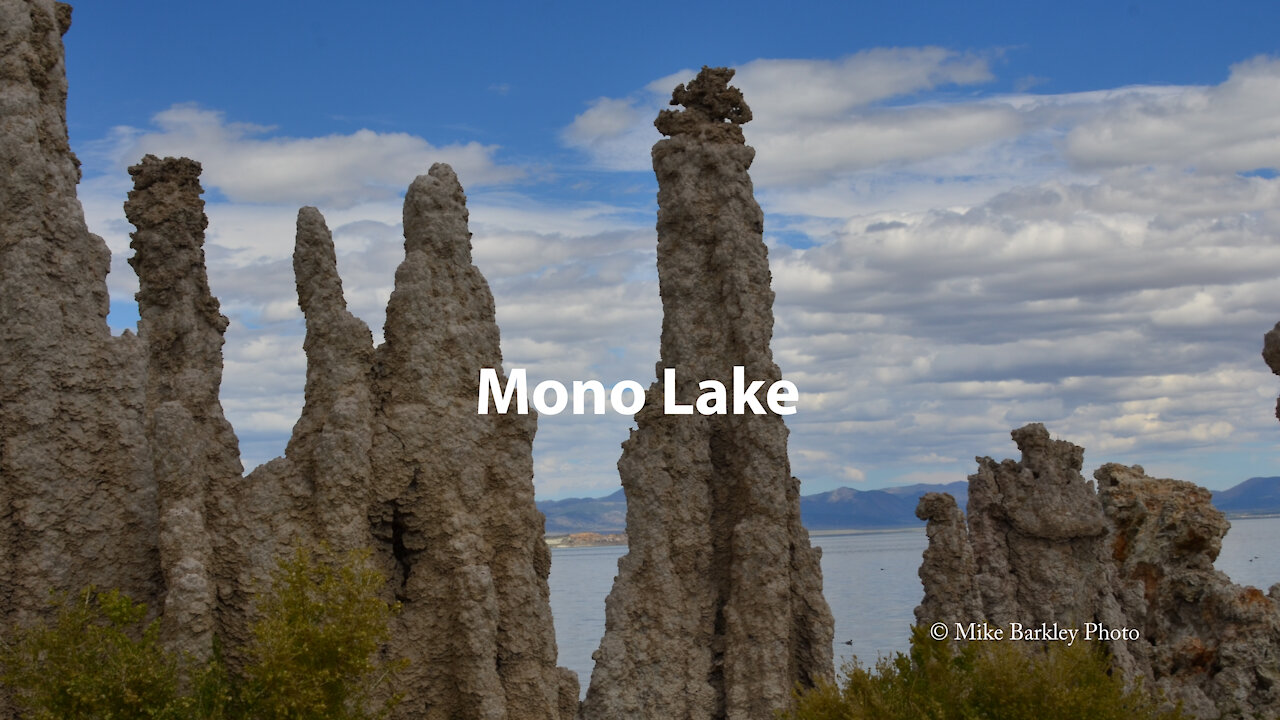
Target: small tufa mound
pixel 1040 545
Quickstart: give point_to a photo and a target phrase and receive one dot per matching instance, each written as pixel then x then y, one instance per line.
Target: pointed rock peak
pixel 713 511
pixel 714 110
pixel 311 222
pixel 315 264
pixel 435 216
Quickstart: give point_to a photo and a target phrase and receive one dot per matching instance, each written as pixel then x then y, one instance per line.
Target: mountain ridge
pixel 847 508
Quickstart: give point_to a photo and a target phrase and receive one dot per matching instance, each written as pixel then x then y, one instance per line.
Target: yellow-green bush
pixel 314 655
pixel 95 660
pixel 937 680
pixel 314 652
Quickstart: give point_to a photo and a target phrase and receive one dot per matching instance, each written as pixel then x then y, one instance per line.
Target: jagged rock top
pixel 166 208
pixel 1180 524
pixel 1271 354
pixel 151 170
pixel 167 191
pixel 1048 458
pixel 1043 495
pixel 1040 545
pixel 714 110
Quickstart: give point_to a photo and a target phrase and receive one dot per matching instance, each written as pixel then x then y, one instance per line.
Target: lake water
pixel 869 579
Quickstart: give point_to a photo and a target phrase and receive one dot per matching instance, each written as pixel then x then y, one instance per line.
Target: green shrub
pixel 314 655
pixel 989 680
pixel 97 659
pixel 314 652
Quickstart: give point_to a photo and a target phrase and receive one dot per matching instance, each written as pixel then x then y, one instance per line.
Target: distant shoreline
pixel 569 541
pixel 585 540
pixel 866 531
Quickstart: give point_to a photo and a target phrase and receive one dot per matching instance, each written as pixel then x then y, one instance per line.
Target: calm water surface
pixel 869 579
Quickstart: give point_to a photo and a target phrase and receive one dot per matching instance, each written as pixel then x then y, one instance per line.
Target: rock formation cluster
pixel 1041 545
pixel 118 469
pixel 717 609
pixel 390 453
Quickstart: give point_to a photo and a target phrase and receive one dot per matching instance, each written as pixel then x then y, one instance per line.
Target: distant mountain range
pixel 1255 496
pixel 849 509
pixel 606 514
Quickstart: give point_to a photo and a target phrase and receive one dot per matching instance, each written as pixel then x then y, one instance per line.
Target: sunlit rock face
pixel 717 610
pixel 1040 545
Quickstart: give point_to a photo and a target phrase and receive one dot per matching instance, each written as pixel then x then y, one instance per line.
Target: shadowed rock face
pixel 118 469
pixel 717 610
pixel 390 453
pixel 77 498
pixel 455 502
pixel 193 447
pixel 1206 640
pixel 1041 546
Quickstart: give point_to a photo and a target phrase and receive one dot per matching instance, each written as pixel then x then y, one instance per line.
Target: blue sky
pixel 979 214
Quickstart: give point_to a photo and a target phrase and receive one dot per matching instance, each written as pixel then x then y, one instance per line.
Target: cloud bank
pixel 250 165
pixel 948 264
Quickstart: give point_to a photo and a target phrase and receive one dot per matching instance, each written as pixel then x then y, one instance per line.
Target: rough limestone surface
pixel 454 504
pixel 949 569
pixel 118 469
pixel 1040 545
pixel 1205 640
pixel 77 498
pixel 717 609
pixel 1034 548
pixel 390 454
pixel 1271 355
pixel 193 447
pixel 319 493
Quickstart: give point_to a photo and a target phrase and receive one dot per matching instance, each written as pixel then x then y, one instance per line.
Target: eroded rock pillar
pixel 455 488
pixel 717 610
pixel 193 447
pixel 77 497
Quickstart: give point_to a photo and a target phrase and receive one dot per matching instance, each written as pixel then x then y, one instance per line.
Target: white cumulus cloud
pixel 250 165
pixel 1231 127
